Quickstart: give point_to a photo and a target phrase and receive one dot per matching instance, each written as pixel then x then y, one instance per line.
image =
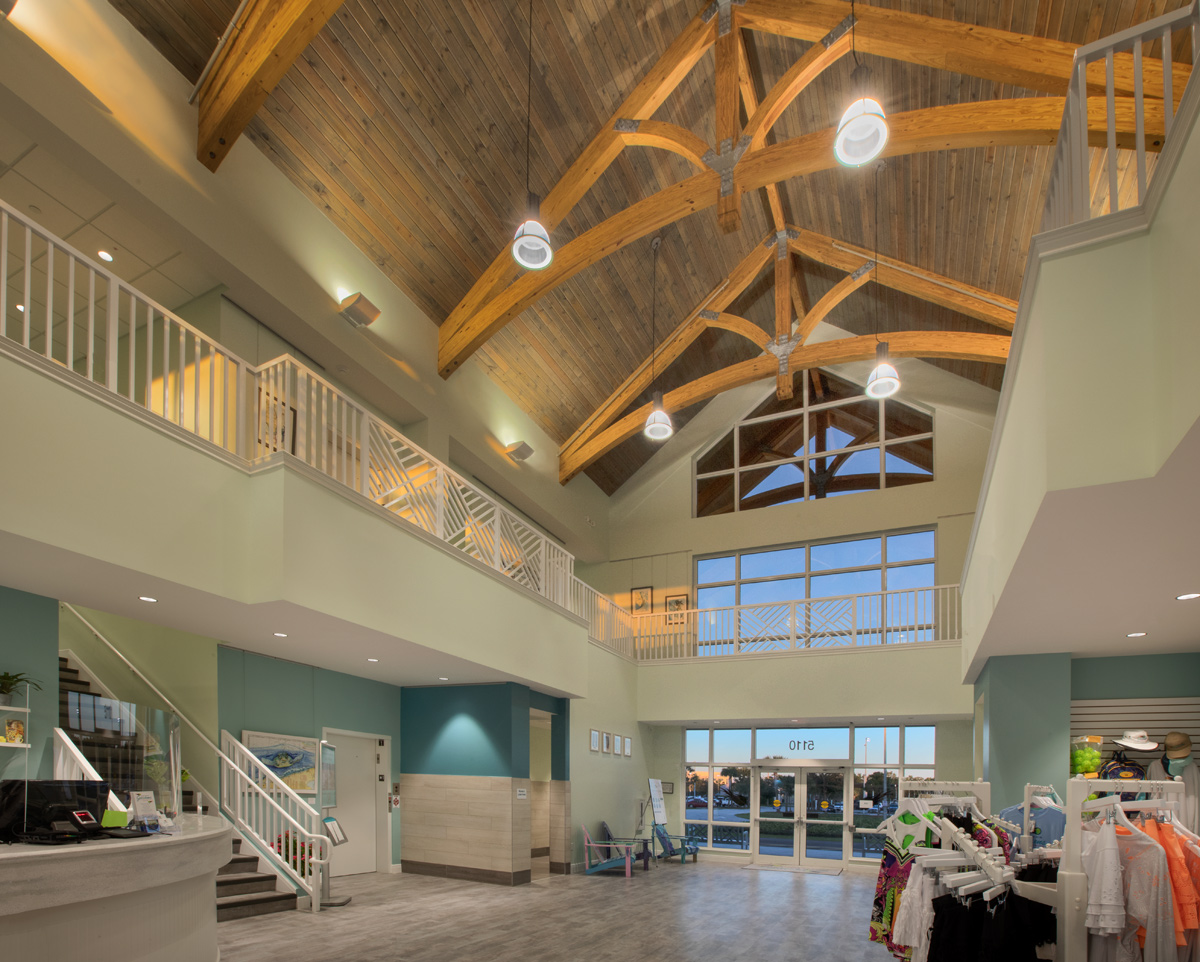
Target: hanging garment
pixel 1009 930
pixel 1041 917
pixel 1189 809
pixel 1047 824
pixel 1183 889
pixel 1106 889
pixel 914 918
pixel 1120 767
pixel 957 929
pixel 894 870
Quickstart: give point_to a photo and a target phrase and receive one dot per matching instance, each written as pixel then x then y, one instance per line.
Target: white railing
pixel 855 621
pixel 60 304
pixel 259 804
pixel 1071 197
pixel 608 624
pixel 71 765
pixel 280 824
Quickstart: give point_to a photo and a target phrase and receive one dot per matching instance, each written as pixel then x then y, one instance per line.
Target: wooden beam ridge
pixel 721 296
pixel 658 133
pixel 675 64
pixel 959 296
pixel 833 297
pixel 989 348
pixel 1035 63
pixel 727 117
pixel 750 101
pixel 783 313
pixel 1032 121
pixel 265 43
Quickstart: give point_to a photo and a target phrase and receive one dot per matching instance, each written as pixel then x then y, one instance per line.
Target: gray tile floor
pixel 673 913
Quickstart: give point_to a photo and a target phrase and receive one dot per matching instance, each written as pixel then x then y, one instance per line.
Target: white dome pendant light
pixel 863 130
pixel 883 381
pixel 658 424
pixel 531 244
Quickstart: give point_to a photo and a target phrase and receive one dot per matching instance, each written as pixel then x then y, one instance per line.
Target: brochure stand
pixel 327 798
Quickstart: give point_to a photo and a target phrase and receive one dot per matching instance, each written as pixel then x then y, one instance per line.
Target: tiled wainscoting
pixel 476 828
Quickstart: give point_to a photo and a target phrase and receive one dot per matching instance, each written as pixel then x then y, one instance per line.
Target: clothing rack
pixel 912 787
pixel 1069 895
pixel 1027 813
pixel 991 876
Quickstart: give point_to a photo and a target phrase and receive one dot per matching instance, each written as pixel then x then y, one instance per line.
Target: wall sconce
pixel 358 310
pixel 518 451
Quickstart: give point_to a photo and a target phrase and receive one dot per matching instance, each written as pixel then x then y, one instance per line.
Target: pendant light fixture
pixel 531 244
pixel 883 381
pixel 658 424
pixel 863 130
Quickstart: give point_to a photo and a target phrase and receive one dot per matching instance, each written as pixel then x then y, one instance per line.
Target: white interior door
pixel 355 811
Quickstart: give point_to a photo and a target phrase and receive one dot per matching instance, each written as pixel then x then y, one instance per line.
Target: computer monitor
pixel 32 806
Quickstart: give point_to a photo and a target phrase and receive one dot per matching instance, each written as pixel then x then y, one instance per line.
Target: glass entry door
pixel 822 828
pixel 797 815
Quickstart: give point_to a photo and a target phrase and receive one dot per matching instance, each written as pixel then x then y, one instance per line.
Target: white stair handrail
pixel 70 764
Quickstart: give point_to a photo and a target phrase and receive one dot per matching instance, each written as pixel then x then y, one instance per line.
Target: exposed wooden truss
pixel 741 162
pixel 265 41
pixel 782 351
pixel 990 348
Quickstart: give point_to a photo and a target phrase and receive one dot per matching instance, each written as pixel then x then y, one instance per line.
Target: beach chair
pixel 673 845
pixel 597 857
pixel 644 854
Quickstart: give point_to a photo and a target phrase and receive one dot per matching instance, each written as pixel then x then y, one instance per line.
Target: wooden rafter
pixel 984 124
pixel 265 43
pixel 833 297
pixel 655 133
pixel 989 348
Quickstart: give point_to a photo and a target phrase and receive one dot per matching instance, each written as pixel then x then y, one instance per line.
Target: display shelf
pixel 7 708
pixel 14 744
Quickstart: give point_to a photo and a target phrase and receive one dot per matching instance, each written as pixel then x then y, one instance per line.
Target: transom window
pixel 828 440
pixel 824 569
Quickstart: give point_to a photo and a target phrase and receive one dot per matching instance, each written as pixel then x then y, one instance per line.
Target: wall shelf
pixel 6 708
pixel 14 744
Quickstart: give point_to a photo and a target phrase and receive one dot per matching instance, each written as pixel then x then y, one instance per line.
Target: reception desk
pixel 116 900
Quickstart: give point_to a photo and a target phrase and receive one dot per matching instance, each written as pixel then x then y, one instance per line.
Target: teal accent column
pixel 29 645
pixel 1027 724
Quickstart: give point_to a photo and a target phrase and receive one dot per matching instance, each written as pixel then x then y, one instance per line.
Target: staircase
pixel 243 891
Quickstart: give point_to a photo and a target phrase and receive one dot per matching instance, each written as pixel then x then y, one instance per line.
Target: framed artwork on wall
pixel 641 600
pixel 628 746
pixel 595 745
pixel 668 788
pixel 616 744
pixel 607 749
pixel 676 606
pixel 290 758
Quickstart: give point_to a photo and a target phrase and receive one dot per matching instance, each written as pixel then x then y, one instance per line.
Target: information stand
pixel 327 799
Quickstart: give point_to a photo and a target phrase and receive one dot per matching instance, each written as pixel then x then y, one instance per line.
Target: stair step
pixel 62 660
pixel 259 903
pixel 239 865
pixel 237 845
pixel 244 883
pixel 83 687
pixel 67 674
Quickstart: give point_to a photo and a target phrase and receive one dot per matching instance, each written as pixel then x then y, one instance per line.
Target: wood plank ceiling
pixel 405 121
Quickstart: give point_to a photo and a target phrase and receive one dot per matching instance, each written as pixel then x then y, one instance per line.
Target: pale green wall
pixel 889 681
pixel 1114 312
pixel 654 537
pixel 955 750
pixel 28 636
pixel 539 754
pixel 183 666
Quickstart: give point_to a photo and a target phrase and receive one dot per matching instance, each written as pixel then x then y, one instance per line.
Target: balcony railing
pixel 1082 183
pixel 850 621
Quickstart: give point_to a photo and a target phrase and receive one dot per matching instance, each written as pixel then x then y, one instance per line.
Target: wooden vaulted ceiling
pixel 404 122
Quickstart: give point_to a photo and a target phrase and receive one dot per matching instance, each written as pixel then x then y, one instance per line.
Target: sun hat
pixel 1137 740
pixel 1177 745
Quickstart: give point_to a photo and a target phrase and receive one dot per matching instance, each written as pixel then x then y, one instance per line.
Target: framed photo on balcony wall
pixel 607 749
pixel 595 740
pixel 676 606
pixel 641 600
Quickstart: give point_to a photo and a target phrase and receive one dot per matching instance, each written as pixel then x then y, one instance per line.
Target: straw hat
pixel 1178 745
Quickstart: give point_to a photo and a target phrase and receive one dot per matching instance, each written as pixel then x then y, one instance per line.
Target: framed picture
pixel 628 746
pixel 616 744
pixel 607 749
pixel 291 758
pixel 668 788
pixel 676 606
pixel 641 600
pixel 595 740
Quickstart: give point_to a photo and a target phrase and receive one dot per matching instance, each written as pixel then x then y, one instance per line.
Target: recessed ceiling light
pixel 1136 634
pixel 105 256
pixel 794 720
pixel 442 678
pixel 716 723
pixel 148 598
pixel 372 659
pixel 281 634
pixel 21 308
pixel 1188 597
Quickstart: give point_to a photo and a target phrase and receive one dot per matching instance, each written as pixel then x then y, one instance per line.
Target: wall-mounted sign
pixel 831 743
pixel 522 793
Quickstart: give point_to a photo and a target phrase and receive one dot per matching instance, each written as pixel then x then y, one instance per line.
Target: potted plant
pixel 10 682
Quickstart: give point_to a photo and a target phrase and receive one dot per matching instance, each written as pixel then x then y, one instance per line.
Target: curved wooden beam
pixel 833 297
pixel 985 124
pixel 803 72
pixel 739 325
pixel 672 137
pixel 989 348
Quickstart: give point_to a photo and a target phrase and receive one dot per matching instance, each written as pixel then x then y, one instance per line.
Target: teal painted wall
pixel 1027 723
pixel 466 730
pixel 1136 676
pixel 263 694
pixel 29 645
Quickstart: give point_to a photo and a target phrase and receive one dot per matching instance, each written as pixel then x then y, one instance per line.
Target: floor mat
pixel 796 869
